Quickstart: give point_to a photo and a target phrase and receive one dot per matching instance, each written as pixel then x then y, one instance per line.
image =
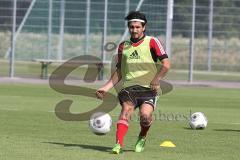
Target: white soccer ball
pixel 198 121
pixel 100 123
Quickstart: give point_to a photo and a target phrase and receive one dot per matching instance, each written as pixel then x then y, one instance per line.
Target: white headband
pixel 138 20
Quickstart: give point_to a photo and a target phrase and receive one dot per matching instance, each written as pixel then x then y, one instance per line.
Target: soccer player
pixel 136 68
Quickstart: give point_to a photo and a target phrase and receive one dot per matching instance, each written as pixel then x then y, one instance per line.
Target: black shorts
pixel 138 95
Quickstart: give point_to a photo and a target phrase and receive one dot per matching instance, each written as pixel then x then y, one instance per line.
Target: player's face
pixel 136 29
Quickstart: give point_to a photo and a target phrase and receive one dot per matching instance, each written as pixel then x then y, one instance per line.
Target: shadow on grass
pixel 188 128
pixel 227 130
pixel 84 146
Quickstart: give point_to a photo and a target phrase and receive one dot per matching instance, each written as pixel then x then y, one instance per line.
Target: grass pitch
pixel 30 130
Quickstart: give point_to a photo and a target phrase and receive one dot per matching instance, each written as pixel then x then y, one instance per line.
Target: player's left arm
pixel 155 83
pixel 159 53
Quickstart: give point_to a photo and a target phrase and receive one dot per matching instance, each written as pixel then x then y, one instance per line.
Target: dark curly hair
pixel 136 15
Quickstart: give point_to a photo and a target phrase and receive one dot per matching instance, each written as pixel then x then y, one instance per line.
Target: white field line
pixel 9 109
pixel 232 123
pixel 226 123
pixel 210 73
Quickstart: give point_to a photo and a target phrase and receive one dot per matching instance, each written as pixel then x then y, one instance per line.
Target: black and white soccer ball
pixel 100 123
pixel 198 121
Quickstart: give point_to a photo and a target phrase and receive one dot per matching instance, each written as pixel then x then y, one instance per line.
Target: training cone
pixel 167 144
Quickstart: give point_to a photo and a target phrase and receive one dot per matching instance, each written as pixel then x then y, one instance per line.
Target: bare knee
pixel 145 119
pixel 146 111
pixel 126 112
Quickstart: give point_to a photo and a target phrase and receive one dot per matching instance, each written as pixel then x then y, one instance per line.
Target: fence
pixel 61 29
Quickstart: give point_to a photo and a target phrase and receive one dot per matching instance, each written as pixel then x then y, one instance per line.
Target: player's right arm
pixel 115 77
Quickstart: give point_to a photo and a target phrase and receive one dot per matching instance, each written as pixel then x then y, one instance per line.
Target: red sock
pixel 144 130
pixel 122 128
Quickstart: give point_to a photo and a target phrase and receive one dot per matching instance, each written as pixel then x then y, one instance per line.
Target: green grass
pixel 30 130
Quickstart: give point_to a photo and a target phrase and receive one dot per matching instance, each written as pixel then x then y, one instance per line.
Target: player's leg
pixel 122 125
pixel 146 119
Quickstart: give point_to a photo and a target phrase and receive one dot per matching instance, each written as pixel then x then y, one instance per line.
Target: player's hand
pixel 100 93
pixel 155 84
